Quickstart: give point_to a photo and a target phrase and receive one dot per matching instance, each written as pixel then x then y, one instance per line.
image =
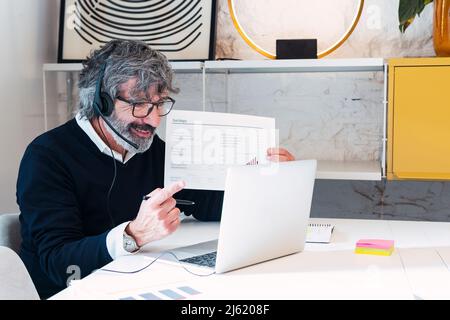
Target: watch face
pixel 129 244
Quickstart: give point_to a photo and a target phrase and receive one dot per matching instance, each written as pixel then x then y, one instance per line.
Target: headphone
pixel 104 105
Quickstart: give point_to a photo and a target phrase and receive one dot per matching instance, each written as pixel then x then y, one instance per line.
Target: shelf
pixel 349 170
pixel 188 66
pixel 180 67
pixel 287 66
pixel 259 66
pixel 62 67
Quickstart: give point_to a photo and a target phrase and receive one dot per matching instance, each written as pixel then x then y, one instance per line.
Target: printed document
pixel 200 146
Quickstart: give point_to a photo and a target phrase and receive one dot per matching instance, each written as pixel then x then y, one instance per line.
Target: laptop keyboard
pixel 208 259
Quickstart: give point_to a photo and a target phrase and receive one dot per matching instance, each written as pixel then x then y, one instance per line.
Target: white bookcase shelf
pixel 258 66
pixel 65 67
pixel 340 170
pixel 349 170
pixel 295 66
pixel 182 66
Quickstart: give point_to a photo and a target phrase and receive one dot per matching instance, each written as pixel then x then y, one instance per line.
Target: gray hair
pixel 125 60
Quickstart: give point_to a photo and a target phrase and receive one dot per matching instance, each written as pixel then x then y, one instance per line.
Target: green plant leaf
pixel 407 11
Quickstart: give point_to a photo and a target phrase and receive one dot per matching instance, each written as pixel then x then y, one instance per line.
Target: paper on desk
pixel 200 146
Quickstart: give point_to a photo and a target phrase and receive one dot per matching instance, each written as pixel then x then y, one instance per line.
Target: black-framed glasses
pixel 141 109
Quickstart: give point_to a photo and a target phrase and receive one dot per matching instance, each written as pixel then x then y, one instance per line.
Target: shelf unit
pixel 340 170
pixel 418 119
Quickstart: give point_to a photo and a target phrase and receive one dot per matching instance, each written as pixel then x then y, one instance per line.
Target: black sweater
pixel 62 192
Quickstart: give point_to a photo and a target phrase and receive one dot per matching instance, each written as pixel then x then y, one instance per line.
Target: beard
pixel 125 130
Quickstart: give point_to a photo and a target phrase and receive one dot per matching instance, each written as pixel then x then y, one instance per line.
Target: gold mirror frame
pixel 270 55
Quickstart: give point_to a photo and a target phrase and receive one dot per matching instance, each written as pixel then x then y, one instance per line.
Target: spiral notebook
pixel 319 232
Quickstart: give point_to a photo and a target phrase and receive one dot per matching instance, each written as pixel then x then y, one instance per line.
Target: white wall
pixel 28 33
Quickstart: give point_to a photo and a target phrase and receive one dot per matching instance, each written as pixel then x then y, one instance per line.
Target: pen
pixel 179 201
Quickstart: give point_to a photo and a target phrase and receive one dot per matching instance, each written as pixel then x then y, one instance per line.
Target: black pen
pixel 179 201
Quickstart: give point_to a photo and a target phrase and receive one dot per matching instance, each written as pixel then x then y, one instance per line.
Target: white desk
pixel 418 268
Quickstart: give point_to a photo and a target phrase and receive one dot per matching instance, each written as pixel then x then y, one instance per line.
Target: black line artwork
pixel 182 29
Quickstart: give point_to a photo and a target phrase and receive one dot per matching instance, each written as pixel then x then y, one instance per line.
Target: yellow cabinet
pixel 419 119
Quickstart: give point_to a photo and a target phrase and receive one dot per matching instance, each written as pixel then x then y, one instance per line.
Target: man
pixel 80 186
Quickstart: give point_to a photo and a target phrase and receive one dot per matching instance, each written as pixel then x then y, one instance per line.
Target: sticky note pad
pixel 375 243
pixel 375 246
pixel 377 252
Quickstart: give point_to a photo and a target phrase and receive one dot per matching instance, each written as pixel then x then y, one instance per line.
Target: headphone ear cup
pixel 107 104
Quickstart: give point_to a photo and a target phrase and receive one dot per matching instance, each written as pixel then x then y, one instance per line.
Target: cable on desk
pixel 162 254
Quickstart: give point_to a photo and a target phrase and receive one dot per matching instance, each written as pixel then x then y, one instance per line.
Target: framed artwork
pixel 181 29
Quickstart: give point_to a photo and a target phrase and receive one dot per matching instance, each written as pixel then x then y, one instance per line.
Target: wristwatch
pixel 129 244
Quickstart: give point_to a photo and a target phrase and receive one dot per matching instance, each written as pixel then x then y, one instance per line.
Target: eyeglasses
pixel 142 109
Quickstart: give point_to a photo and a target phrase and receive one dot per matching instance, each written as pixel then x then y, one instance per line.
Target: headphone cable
pixel 108 208
pixel 108 197
pixel 156 259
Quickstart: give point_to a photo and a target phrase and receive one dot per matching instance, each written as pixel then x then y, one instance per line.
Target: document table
pixel 417 269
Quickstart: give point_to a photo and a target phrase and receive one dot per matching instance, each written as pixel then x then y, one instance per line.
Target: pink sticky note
pixel 375 243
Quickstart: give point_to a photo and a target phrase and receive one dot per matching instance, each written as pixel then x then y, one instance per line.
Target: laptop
pixel 265 215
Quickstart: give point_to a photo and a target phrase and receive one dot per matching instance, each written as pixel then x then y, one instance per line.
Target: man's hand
pixel 279 155
pixel 157 217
